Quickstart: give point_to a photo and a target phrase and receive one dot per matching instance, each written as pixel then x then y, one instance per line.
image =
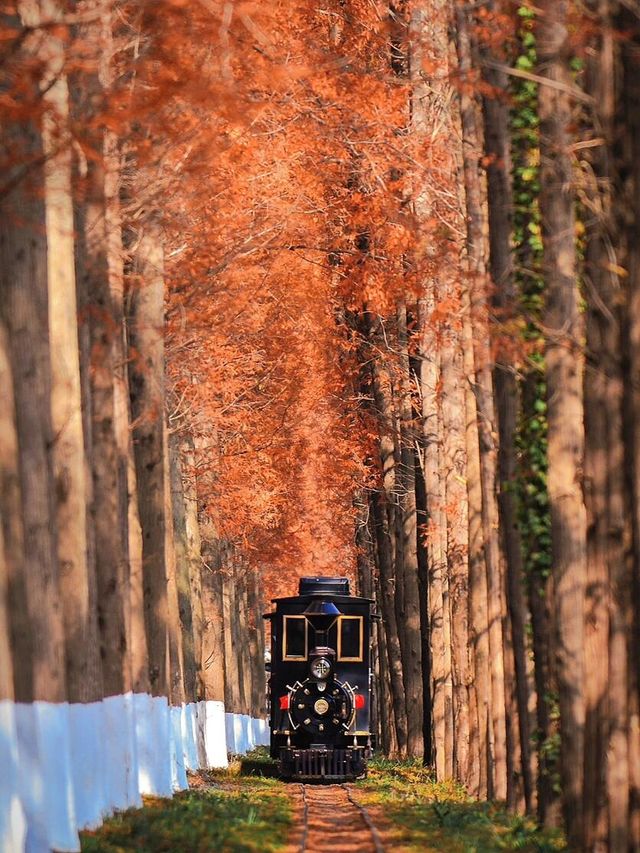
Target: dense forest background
pixel 346 287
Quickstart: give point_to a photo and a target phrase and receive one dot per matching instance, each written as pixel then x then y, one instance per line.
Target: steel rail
pixel 366 817
pixel 305 819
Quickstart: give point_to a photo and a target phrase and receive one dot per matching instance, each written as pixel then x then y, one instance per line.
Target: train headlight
pixel 320 668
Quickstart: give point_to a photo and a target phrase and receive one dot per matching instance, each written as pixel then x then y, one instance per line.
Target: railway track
pixel 333 819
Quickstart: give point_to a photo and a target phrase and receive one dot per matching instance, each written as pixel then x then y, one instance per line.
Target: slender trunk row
pixel 106 585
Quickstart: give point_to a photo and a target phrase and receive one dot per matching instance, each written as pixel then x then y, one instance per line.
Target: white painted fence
pixel 67 767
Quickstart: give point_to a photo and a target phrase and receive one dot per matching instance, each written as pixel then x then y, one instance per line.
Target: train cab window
pixel 350 638
pixel 295 639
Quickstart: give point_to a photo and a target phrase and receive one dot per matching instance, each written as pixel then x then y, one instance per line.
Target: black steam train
pixel 321 683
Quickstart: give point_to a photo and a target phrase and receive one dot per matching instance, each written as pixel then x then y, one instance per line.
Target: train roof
pixel 345 599
pixel 337 589
pixel 335 586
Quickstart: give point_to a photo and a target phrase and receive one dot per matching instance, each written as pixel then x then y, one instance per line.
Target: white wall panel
pixel 13 825
pixel 178 770
pixel 189 736
pixel 215 741
pixel 67 767
pixel 87 743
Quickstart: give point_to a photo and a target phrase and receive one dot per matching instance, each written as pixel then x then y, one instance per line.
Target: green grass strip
pixel 439 816
pixel 255 817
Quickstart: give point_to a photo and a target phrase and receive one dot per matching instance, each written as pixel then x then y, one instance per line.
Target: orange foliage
pixel 290 160
pixel 273 139
pixel 278 136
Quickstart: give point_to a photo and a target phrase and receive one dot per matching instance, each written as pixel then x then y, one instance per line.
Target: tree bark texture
pixel 213 660
pixel 454 462
pixel 232 685
pixel 175 628
pixel 70 486
pixel 385 511
pixel 34 599
pixel 602 385
pixel 436 538
pixel 408 565
pixel 476 367
pixel 11 544
pixel 194 549
pixel 564 370
pixel 182 562
pixel 146 377
pixel 626 591
pixel 389 624
pixel 99 322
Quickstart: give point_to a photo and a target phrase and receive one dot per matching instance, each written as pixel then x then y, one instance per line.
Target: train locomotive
pixel 320 684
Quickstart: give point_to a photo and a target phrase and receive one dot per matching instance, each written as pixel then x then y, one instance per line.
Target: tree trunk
pixel 412 653
pixel 423 580
pixel 385 513
pixel 146 376
pixel 385 727
pixel 600 414
pixel 564 369
pixel 627 593
pixel 70 487
pixel 364 545
pixel 479 687
pixel 175 628
pixel 389 624
pixel 500 206
pixel 212 664
pixel 183 572
pixel 232 687
pixel 194 548
pixel 11 542
pixel 454 466
pixel 243 636
pixel 436 538
pixel 133 602
pixel 135 605
pixel 476 366
pixel 34 599
pixel 108 516
pixel 256 645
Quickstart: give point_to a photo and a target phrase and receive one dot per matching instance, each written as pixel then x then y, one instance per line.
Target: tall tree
pixel 628 124
pixel 564 369
pixel 11 528
pixel 407 549
pixel 603 410
pixel 68 450
pixel 99 356
pixel 436 540
pixel 478 419
pixel 384 512
pixel 34 598
pixel 212 664
pixel 146 376
pixel 175 578
pixel 184 572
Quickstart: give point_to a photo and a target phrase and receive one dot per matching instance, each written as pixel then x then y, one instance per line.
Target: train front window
pixel 350 638
pixel 295 638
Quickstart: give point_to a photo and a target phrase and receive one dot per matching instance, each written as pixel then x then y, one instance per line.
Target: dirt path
pixel 330 818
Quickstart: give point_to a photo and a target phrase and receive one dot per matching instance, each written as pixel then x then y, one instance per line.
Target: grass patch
pixel 245 810
pixel 258 762
pixel 222 813
pixel 425 815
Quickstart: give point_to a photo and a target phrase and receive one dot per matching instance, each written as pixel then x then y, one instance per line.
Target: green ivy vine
pixel 533 497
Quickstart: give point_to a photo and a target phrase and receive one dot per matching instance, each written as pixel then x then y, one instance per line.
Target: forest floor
pixel 245 809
